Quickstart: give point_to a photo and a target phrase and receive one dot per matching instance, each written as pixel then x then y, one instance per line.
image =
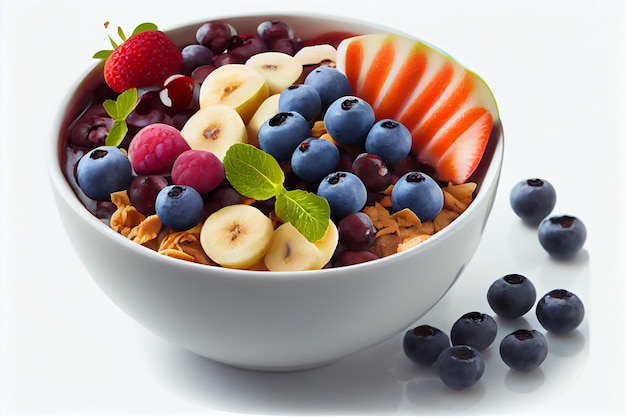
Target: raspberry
pixel 154 149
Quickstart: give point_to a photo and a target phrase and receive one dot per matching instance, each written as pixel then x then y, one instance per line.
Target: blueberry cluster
pixel 326 94
pixel 562 236
pixel 458 357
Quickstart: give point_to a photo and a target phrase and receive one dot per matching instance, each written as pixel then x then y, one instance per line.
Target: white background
pixel 558 71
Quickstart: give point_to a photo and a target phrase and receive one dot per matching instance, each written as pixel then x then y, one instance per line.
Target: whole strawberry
pixel 146 58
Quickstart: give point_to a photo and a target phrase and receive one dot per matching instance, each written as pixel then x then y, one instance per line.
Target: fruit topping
pixel 348 120
pixel 154 149
pixel 345 193
pixel 448 110
pixel 179 207
pixel 145 59
pixel 314 158
pixel 419 193
pixel 103 171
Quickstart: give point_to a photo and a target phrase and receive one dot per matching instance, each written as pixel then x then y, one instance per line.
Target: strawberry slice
pixel 449 110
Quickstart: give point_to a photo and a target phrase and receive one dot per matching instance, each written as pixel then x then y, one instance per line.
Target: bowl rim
pixel 59 181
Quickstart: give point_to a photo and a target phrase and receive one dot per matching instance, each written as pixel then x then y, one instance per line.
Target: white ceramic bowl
pixel 265 320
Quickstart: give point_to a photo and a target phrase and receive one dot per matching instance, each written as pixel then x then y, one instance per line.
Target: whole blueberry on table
pixel 419 193
pixel 390 140
pixel 301 98
pixel 314 158
pixel 330 83
pixel 511 296
pixel 460 366
pixel 474 329
pixel 348 120
pixel 524 350
pixel 281 134
pixel 532 200
pixel 179 207
pixel 560 311
pixel 102 171
pixel 423 344
pixel 562 236
pixel 344 192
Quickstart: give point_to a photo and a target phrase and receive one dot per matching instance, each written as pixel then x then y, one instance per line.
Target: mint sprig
pixel 119 110
pixel 143 27
pixel 256 174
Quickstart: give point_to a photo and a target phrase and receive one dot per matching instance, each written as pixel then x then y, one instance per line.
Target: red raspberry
pixel 199 169
pixel 154 149
pixel 143 60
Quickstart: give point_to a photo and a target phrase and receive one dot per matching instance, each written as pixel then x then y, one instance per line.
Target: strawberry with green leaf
pixel 146 58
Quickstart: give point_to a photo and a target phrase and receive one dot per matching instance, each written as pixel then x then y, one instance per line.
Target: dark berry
pixel 474 329
pixel 560 311
pixel 524 350
pixel 423 344
pixel 511 296
pixel 460 367
pixel 532 200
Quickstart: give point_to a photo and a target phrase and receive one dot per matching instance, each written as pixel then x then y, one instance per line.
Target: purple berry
pixel 460 367
pixel 102 171
pixel 532 200
pixel 474 329
pixel 511 296
pixel 524 350
pixel 143 190
pixel 560 311
pixel 179 207
pixel 423 344
pixel 562 236
pixel 373 172
pixel 356 231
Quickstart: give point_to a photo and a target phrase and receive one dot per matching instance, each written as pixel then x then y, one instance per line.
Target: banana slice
pixel 237 236
pixel 316 54
pixel 239 86
pixel 214 128
pixel 266 110
pixel 279 69
pixel 328 243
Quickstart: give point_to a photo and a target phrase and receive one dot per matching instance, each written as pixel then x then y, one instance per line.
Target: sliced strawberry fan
pixel 449 110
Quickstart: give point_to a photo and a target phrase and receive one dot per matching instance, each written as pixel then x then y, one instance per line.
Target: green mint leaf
pixel 252 172
pixel 116 133
pixel 144 27
pixel 103 54
pixel 306 211
pixel 126 102
pixel 110 106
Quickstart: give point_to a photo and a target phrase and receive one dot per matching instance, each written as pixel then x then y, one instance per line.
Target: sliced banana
pixel 214 128
pixel 279 69
pixel 328 243
pixel 316 54
pixel 267 109
pixel 239 86
pixel 291 251
pixel 237 236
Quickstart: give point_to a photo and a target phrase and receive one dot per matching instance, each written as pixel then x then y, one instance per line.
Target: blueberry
pixel 348 120
pixel 511 296
pixel 424 343
pixel 179 207
pixel 314 158
pixel 344 192
pixel 330 83
pixel 532 200
pixel 281 134
pixel 460 367
pixel 562 236
pixel 524 350
pixel 419 193
pixel 390 140
pixel 474 329
pixel 560 311
pixel 301 98
pixel 102 171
